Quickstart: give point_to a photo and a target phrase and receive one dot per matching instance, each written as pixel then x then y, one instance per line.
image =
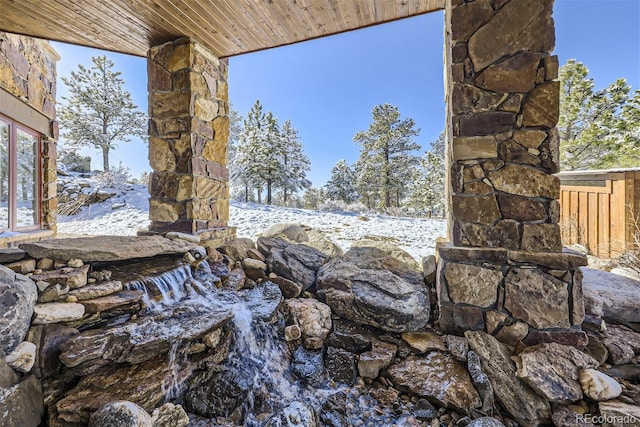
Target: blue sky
pixel 328 87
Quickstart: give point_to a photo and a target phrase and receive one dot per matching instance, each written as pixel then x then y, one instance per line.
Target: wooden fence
pixel 598 209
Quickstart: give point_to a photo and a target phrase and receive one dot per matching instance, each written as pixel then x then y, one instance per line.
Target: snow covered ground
pixel 127 212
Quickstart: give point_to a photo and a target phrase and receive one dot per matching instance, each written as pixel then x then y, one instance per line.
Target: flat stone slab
pixel 57 312
pixel 106 248
pixel 611 295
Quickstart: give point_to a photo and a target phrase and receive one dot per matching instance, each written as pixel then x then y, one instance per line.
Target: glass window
pixel 19 177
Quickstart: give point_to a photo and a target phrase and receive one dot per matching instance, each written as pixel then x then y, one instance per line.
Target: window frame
pixel 13 176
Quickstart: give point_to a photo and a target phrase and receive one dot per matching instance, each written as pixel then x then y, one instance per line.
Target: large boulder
pixel 611 295
pixel 552 370
pixel 18 295
pixel 374 287
pixel 439 377
pixel 22 404
pixel 516 397
pixel 106 248
pixel 313 318
pixel 297 262
pixel 295 414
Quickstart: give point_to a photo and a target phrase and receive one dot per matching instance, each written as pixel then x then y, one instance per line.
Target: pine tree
pixel 385 155
pixel 296 163
pixel 427 184
pixel 590 125
pixel 99 112
pixel 342 183
pixel 246 169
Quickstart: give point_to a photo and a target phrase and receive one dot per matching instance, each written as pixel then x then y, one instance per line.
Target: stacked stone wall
pixel 28 72
pixel 188 134
pixel 503 106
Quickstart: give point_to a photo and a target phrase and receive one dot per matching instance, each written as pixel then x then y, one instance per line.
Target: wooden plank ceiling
pixel 227 27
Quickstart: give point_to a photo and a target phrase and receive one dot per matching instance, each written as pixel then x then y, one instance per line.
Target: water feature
pixel 255 380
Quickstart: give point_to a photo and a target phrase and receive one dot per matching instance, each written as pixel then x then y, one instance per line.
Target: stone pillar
pixel 503 270
pixel 188 132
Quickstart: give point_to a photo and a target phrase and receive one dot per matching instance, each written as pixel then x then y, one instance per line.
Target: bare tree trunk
pixel 259 196
pixel 246 193
pixel 268 192
pixel 105 159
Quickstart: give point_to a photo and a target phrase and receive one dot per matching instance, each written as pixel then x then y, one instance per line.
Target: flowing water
pixel 258 358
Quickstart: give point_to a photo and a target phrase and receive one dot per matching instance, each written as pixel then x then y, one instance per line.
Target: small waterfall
pixel 167 288
pixel 172 386
pixel 258 360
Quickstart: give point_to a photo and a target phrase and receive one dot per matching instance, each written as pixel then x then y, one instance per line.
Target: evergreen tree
pixel 296 163
pixel 99 112
pixel 342 183
pixel 591 124
pixel 246 168
pixel 427 184
pixel 237 178
pixel 385 156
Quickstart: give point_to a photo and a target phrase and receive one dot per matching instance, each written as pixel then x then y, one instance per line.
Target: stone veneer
pixel 28 72
pixel 188 132
pixel 503 269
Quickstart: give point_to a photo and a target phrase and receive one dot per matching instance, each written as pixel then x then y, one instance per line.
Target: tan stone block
pixel 205 109
pixel 221 129
pixel 164 184
pixel 523 25
pixel 161 158
pixel 206 187
pixel 474 147
pixel 160 53
pixel 472 173
pixel 486 123
pixel 222 207
pixel 551 67
pixel 36 92
pixel 186 188
pixel 513 103
pixel 473 285
pixel 215 151
pixel 223 90
pixel 515 74
pixel 171 126
pixel 542 106
pixel 202 128
pixel 164 211
pixel 539 299
pixel 525 181
pixel 541 238
pixel 457 73
pixel 530 138
pixel 466 98
pixel 211 84
pixel 468 17
pixel 476 209
pixel 503 234
pixel 201 209
pixel 181 57
pixel 159 78
pixel 477 187
pixel 166 105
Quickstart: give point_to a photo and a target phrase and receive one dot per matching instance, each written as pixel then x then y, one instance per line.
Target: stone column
pixel 188 132
pixel 503 270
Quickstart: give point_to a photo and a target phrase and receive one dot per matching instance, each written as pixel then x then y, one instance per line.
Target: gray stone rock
pixel 622 343
pixel 436 376
pixel 515 396
pixel 289 288
pixel 351 336
pixel 552 370
pixel 8 377
pixel 429 268
pixel 106 248
pixel 480 381
pixel 74 278
pixel 22 404
pixel 237 249
pixel 292 232
pixel 564 416
pixel 611 295
pixel 525 181
pixel 341 365
pixel 320 241
pixel 308 366
pixel 538 298
pixel 96 290
pixel 18 295
pixel 522 25
pixel 470 284
pixel 373 297
pixel 485 422
pixel 297 262
pixel 120 414
pixel 11 255
pixel 371 362
pixel 170 415
pixel 57 312
pixel 620 414
pixel 295 414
